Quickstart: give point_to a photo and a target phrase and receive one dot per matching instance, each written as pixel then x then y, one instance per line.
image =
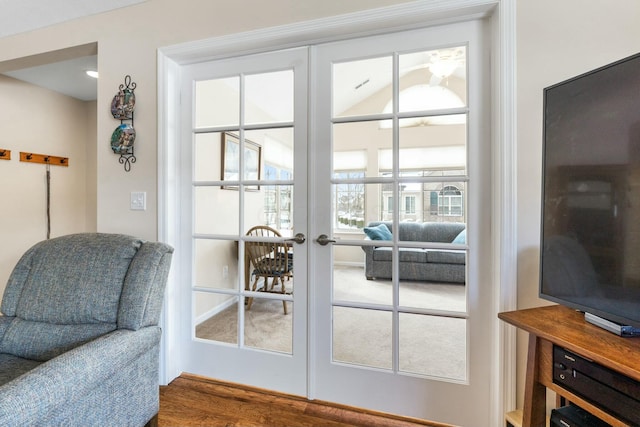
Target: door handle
pixel 323 240
pixel 298 238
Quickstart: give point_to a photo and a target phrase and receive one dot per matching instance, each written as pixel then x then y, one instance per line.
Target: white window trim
pixel 417 14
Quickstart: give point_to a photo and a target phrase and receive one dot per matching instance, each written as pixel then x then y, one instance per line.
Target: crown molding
pixel 416 14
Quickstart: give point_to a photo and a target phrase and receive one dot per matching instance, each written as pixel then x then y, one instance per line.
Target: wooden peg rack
pixel 5 154
pixel 44 159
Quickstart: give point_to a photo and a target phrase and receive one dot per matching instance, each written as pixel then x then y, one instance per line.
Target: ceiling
pixel 68 76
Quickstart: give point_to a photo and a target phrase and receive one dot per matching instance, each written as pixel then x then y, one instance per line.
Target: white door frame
pixel 418 14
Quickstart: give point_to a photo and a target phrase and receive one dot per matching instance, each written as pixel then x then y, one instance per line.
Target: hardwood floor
pixel 195 401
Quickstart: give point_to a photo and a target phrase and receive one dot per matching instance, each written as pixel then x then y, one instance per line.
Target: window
pixel 349 202
pixel 410 204
pixel 450 201
pixel 277 199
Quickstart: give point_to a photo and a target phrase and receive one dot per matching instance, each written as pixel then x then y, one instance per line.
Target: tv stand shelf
pixel 567 328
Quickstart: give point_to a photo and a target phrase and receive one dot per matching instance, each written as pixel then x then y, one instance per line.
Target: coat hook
pixel 29 156
pixel 63 161
pixel 3 153
pixel 46 159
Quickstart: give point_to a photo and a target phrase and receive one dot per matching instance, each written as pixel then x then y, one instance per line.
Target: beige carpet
pixel 429 345
pixel 266 326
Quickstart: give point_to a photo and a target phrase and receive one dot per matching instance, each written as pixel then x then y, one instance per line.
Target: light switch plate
pixel 138 200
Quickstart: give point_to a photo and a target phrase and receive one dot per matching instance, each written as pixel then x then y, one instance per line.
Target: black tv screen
pixel 590 237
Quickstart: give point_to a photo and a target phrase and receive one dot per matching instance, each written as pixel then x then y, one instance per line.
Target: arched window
pixel 450 201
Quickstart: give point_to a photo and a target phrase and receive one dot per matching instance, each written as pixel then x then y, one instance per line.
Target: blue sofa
pixel 79 335
pixel 428 265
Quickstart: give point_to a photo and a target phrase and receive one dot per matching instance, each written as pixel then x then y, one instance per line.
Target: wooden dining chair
pixel 269 260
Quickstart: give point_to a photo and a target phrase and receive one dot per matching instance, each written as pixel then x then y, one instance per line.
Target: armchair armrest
pixel 31 398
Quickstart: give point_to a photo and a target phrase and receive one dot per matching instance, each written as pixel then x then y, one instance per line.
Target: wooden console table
pixel 567 328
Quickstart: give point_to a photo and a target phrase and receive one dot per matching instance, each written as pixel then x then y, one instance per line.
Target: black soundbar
pixel 609 390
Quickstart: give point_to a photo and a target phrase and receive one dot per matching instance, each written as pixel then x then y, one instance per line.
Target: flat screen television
pixel 590 234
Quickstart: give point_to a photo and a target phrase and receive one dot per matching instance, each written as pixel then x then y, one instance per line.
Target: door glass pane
pixel 207 157
pixel 216 263
pixel 217 102
pixel 275 149
pixel 216 317
pixel 351 285
pixel 433 80
pixel 269 97
pixel 428 148
pixel 444 296
pixel 432 279
pixel 271 206
pixel 266 327
pixel 361 87
pixel 359 146
pixel 348 201
pixel 362 337
pixel 433 345
pixel 209 203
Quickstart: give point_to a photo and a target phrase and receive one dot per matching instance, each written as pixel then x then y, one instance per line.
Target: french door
pixel 408 333
pixel 245 187
pixel 320 145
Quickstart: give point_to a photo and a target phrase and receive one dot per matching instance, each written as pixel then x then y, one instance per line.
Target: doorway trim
pixel 418 14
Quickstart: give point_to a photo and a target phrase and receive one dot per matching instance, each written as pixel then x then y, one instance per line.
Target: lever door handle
pixel 323 240
pixel 299 238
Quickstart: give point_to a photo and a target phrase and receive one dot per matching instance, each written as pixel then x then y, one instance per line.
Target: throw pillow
pixel 379 232
pixel 461 238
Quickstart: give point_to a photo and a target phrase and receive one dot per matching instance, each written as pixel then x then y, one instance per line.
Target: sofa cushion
pixel 443 256
pixel 461 238
pixel 378 232
pixel 406 255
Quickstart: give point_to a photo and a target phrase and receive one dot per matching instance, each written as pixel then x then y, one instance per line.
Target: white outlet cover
pixel 138 200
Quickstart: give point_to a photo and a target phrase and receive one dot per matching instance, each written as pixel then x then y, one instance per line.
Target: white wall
pixel 40 121
pixel 556 40
pixel 128 40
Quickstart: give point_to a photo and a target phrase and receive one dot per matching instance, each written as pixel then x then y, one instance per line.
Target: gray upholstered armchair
pixel 79 335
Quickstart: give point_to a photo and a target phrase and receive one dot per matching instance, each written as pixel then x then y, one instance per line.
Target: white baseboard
pixel 220 307
pixel 348 264
pixel 215 310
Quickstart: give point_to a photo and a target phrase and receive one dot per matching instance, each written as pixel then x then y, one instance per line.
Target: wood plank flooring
pixel 195 401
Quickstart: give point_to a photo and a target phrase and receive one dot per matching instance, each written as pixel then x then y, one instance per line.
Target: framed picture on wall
pixel 231 162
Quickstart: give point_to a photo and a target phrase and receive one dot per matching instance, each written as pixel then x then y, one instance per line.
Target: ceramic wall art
pixel 124 136
pixel 123 104
pixel 122 139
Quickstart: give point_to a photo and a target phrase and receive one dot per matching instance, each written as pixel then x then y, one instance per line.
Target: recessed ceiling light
pixel 92 73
